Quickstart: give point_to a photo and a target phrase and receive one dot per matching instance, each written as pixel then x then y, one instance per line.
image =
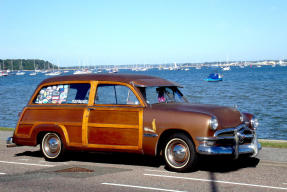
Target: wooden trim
pixel 52 106
pixel 53 83
pixel 65 134
pixel 50 123
pixel 75 145
pixel 125 147
pixel 142 104
pixel 93 89
pixel 116 108
pixel 120 126
pixel 85 127
pixel 140 139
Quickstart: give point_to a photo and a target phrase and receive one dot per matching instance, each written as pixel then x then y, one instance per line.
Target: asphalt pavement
pixel 24 169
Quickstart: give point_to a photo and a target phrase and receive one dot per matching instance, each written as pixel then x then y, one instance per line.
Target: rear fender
pixel 59 129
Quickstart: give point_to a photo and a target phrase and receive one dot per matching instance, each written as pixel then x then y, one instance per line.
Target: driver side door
pixel 115 119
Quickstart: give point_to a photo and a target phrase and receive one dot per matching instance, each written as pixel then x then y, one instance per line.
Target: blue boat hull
pixel 213 80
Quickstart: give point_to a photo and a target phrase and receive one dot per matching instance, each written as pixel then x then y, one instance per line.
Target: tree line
pixel 25 64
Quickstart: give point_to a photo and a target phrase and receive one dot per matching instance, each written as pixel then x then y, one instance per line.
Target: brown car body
pixel 138 128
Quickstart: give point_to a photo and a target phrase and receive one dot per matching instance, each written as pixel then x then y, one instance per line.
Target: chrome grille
pixel 244 133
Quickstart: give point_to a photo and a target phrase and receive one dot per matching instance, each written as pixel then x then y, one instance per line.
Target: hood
pixel 227 117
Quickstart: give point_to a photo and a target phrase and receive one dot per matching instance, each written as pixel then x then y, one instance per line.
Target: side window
pixel 125 96
pixel 115 94
pixel 55 94
pixel 105 95
pixel 63 94
pixel 78 93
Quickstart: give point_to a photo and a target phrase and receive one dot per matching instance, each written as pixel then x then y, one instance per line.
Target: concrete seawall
pixel 272 141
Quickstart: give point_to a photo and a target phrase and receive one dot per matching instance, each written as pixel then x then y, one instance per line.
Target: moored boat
pixel 54 73
pixel 214 77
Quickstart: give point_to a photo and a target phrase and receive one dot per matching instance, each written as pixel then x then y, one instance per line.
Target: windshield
pixel 155 95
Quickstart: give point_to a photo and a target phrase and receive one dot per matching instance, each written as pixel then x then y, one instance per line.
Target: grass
pixel 6 129
pixel 273 143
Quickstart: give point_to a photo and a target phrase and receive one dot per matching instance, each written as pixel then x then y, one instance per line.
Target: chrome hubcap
pixel 51 145
pixel 177 153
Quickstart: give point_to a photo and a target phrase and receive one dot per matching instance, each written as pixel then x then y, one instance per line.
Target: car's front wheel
pixel 52 147
pixel 179 153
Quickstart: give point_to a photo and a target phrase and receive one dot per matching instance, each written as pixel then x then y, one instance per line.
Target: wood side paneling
pixel 75 134
pixel 53 115
pixel 117 126
pixel 69 118
pixel 24 129
pixel 112 136
pixel 114 117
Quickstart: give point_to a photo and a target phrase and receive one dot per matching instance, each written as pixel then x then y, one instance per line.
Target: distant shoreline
pixel 32 64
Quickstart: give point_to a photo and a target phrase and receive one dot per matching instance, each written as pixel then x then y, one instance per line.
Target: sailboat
pixel 34 73
pixel 175 67
pixel 54 73
pixel 82 71
pixel 20 72
pixel 198 67
pixel 227 68
pixel 3 72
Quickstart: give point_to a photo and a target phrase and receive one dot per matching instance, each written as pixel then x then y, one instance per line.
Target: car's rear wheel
pixel 52 147
pixel 179 153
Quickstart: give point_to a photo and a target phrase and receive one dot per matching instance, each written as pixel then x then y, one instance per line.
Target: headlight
pixel 213 123
pixel 241 117
pixel 254 122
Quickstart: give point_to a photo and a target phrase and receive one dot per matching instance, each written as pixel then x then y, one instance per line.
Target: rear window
pixel 64 94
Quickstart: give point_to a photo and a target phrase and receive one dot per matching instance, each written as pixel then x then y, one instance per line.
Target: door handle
pixel 91 109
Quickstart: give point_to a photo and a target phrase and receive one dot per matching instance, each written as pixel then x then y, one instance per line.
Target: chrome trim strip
pixel 249 136
pixel 239 128
pixel 228 150
pixel 236 144
pixel 150 135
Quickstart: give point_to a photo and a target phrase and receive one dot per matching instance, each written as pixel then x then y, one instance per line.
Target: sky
pixel 117 32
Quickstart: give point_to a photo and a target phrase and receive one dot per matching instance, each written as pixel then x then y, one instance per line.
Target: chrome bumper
pixel 228 150
pixel 234 145
pixel 9 142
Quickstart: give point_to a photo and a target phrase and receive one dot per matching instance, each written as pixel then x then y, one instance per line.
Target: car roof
pixel 133 79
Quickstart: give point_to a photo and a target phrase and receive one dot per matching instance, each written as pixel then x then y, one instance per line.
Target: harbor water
pixel 261 91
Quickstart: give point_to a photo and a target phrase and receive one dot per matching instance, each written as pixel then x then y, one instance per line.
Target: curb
pixel 272 141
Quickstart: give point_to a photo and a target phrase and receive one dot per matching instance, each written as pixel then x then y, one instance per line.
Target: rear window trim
pixel 40 87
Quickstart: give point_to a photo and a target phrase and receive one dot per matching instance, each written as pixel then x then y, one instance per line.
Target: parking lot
pixel 24 169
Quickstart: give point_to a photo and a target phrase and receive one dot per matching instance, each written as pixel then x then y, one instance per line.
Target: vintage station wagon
pixel 130 113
